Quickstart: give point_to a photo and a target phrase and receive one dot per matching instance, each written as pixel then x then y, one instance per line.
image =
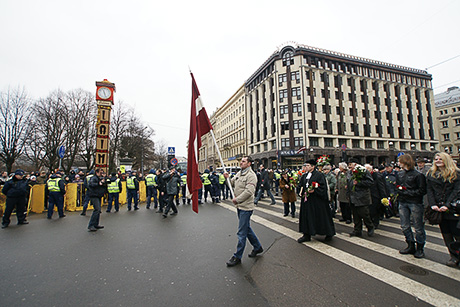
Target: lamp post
pixel 391 150
pixel 311 153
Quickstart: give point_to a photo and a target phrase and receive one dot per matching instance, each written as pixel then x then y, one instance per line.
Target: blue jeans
pixel 113 198
pixel 261 192
pixel 245 232
pixel 414 212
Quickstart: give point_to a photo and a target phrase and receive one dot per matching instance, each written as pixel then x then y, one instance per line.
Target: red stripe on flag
pixel 199 126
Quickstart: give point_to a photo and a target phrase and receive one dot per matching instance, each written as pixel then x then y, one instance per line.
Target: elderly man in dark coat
pixel 315 215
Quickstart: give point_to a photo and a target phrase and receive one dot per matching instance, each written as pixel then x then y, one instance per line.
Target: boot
pixel 410 249
pixel 419 252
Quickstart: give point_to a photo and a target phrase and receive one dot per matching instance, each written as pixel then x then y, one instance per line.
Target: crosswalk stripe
pixel 400 282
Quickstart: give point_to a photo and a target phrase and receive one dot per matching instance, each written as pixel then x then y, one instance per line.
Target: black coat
pixel 264 180
pixel 315 214
pixel 361 195
pixel 415 184
pixel 443 192
pixel 95 189
pixel 378 188
pixel 15 188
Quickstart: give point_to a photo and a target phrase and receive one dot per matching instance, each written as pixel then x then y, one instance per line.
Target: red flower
pixel 401 187
pixel 314 184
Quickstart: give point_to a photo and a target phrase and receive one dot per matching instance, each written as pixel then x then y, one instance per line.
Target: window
pixel 282 78
pixel 324 93
pixel 445 124
pixel 325 125
pixel 296 92
pixel 446 136
pixel 274 144
pixel 284 110
pixel 297 125
pixel 295 76
pixel 285 143
pixel 343 142
pixel 423 146
pixel 287 58
pixel 457 122
pixel 284 127
pixel 313 141
pixel 380 144
pixel 402 145
pixel 298 142
pixel 356 143
pixel 266 147
pixel 283 94
pixel 328 142
pixel 368 144
pixel 297 108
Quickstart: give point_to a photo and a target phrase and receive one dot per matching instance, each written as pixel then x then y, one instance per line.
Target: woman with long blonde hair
pixel 443 188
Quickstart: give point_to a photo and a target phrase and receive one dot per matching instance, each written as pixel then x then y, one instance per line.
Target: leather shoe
pixel 83 213
pixel 328 238
pixel 62 216
pixel 233 261
pixel 23 223
pixel 356 234
pixel 4 226
pixel 164 215
pixel 99 227
pixel 92 228
pixel 370 232
pixel 255 252
pixel 174 213
pixel 304 238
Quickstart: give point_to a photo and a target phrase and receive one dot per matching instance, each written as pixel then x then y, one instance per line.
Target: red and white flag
pixel 301 149
pixel 199 126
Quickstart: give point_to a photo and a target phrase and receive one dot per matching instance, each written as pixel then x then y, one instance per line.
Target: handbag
pixel 433 217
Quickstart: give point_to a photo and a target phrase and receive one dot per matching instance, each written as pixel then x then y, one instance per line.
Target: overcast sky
pixel 147 47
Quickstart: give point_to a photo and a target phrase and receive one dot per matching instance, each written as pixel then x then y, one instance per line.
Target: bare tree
pixel 14 115
pixel 161 155
pixel 118 126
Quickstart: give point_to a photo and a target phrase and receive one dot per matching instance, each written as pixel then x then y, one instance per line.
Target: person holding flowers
pixel 288 185
pixel 315 215
pixel 359 184
pixel 411 186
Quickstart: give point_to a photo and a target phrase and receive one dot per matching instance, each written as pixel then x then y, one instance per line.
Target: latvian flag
pixel 300 150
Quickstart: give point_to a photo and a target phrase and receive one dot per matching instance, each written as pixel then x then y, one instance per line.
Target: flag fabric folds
pixel 303 148
pixel 199 126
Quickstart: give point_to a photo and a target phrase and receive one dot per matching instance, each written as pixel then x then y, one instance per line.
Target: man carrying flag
pixel 199 126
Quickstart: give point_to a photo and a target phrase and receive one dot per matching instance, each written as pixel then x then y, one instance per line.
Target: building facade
pixel 448 120
pixel 336 104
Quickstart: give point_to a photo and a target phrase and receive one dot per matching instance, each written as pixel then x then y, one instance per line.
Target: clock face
pixel 104 92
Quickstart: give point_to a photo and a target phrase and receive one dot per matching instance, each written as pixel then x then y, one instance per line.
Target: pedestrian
pixel 4 178
pixel 96 190
pixel 288 191
pixel 315 214
pixel 443 188
pixel 172 180
pixel 151 184
pixel 277 182
pixel 342 193
pixel 85 185
pixel 359 182
pixel 206 184
pixel 332 183
pixel 162 198
pixel 422 167
pixel 56 191
pixel 244 184
pixel 42 178
pixel 378 192
pixel 264 186
pixel 132 186
pixel 15 190
pixel 184 188
pixel 411 187
pixel 114 188
pixel 215 187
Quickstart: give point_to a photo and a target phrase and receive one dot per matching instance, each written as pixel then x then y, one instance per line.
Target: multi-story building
pixel 336 104
pixel 448 120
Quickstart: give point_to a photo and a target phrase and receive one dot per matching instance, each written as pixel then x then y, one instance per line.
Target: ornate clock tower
pixel 104 98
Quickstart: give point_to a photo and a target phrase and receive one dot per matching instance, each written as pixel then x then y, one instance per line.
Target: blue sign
pixel 231 158
pixel 400 154
pixel 173 161
pixel 61 151
pixel 171 151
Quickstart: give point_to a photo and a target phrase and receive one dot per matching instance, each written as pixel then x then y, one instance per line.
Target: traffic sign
pixel 171 151
pixel 400 154
pixel 173 161
pixel 344 147
pixel 61 151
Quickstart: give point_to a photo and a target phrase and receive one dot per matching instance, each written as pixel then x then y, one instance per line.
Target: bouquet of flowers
pixel 385 202
pixel 314 185
pixel 292 182
pixel 323 160
pixel 358 174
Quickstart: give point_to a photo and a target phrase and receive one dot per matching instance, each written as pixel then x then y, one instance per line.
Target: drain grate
pixel 412 269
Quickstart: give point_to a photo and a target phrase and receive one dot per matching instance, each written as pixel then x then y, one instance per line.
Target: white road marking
pixel 400 282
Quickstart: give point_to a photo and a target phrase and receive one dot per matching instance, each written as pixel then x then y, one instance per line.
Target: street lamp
pixel 391 149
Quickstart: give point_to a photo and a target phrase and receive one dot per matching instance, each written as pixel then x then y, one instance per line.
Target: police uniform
pixel 184 188
pixel 222 186
pixel 151 183
pixel 114 189
pixel 207 184
pixel 56 192
pixel 15 190
pixel 132 186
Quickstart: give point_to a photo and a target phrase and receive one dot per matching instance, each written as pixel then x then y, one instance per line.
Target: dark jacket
pixel 441 192
pixel 172 183
pixel 95 189
pixel 414 183
pixel 379 188
pixel 264 180
pixel 15 188
pixel 361 195
pixel 161 183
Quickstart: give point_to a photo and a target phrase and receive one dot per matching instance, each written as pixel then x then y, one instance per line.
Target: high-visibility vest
pixel 277 176
pixel 221 179
pixel 114 187
pixel 88 178
pixel 130 183
pixel 150 180
pixel 53 185
pixel 184 179
pixel 206 179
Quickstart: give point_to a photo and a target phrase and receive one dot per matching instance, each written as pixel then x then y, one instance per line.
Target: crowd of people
pixel 364 195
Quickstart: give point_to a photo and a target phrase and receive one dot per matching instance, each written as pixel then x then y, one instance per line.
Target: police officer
pixel 96 190
pixel 56 192
pixel 85 184
pixel 114 189
pixel 277 182
pixel 15 190
pixel 132 185
pixel 222 186
pixel 151 183
pixel 207 184
pixel 215 187
pixel 184 188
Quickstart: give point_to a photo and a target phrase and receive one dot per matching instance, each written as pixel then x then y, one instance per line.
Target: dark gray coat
pixel 361 195
pixel 172 183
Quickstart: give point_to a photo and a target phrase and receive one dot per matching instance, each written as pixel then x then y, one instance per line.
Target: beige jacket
pixel 244 184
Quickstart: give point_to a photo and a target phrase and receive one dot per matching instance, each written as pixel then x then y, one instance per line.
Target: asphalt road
pixel 141 259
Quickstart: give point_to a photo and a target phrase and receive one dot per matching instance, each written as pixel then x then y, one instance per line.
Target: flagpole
pixel 222 162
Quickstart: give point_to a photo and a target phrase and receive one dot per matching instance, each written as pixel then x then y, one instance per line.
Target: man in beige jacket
pixel 244 184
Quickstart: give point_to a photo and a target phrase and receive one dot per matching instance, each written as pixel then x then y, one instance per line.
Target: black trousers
pixel 361 214
pixel 170 204
pixel 11 203
pixel 346 211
